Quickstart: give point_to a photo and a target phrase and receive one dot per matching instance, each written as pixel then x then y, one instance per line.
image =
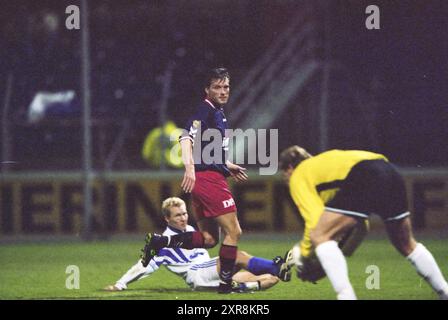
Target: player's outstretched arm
pixel 136 272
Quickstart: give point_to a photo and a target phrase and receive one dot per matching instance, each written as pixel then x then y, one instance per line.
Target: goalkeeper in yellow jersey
pixel 335 192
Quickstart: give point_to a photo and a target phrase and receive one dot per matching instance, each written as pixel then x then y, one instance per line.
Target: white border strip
pixel 400 216
pixel 350 213
pixel 186 137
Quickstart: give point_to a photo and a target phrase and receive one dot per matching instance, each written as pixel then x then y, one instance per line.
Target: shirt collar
pixel 212 105
pixel 175 230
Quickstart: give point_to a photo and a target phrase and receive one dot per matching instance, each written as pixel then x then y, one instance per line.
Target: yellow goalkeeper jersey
pixel 315 182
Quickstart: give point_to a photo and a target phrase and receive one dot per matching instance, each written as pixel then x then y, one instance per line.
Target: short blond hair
pixel 168 203
pixel 292 156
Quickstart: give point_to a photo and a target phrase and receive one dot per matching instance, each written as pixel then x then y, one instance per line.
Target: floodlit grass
pixel 38 271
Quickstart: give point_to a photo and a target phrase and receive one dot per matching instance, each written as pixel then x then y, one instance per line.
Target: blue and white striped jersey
pixel 177 260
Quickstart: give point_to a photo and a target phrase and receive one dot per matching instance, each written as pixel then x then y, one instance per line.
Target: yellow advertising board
pixel 130 203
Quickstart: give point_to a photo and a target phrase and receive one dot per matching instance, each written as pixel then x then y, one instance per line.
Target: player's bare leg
pixel 229 248
pixel 231 227
pixel 247 281
pixel 400 234
pixel 257 265
pixel 330 227
pixel 354 237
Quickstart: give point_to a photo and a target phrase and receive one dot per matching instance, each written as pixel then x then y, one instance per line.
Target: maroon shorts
pixel 211 196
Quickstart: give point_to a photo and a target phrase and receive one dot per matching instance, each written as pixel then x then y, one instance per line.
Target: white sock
pixel 427 267
pixel 134 273
pixel 253 285
pixel 333 262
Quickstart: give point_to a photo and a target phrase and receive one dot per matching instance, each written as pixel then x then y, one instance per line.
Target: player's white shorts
pixel 203 275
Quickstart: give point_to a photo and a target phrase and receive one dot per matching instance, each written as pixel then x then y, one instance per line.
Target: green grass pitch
pixel 38 271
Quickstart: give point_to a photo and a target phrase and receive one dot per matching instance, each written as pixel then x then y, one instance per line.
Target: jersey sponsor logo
pixel 228 203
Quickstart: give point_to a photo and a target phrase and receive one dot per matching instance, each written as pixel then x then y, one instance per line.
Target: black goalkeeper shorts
pixel 372 187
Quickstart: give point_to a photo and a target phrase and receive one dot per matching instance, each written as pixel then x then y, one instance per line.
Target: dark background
pixel 399 70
